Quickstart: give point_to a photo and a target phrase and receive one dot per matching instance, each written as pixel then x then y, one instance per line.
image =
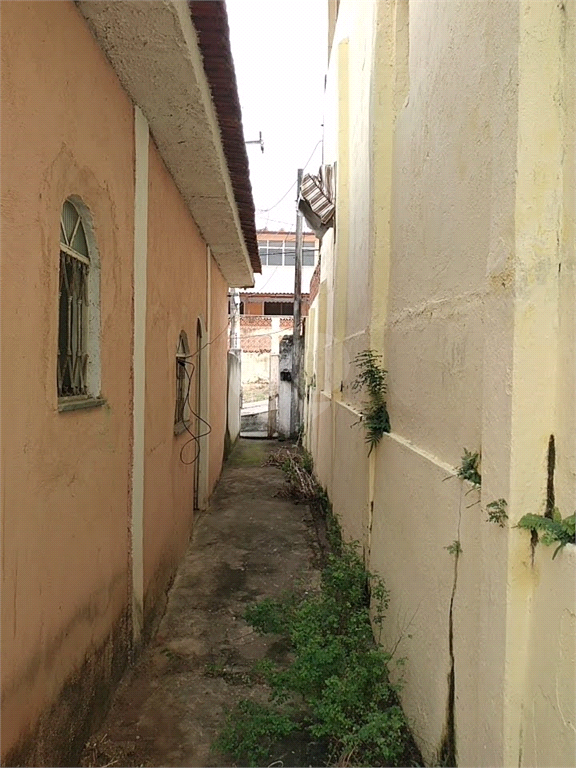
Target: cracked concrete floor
pixel 249 544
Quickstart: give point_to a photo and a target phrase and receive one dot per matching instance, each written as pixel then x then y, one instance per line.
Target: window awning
pixel 316 201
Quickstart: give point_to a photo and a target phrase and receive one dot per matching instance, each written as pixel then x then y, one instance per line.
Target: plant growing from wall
pixel 455 548
pixel 372 379
pixel 553 530
pixel 498 512
pixel 469 468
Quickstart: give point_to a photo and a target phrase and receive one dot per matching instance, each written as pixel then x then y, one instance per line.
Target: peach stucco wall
pixel 67 128
pixel 218 372
pixel 177 297
pixel 175 247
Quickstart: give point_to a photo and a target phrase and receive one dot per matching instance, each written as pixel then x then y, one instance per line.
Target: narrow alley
pixel 250 543
pixel 288 309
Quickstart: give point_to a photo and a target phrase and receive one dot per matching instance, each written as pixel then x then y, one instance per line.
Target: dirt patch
pixel 249 453
pixel 255 390
pixel 250 544
pixel 297 750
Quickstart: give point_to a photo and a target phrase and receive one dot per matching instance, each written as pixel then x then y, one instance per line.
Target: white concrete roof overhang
pixel 153 47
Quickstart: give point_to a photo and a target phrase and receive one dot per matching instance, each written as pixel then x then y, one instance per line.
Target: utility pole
pixel 235 320
pixel 295 404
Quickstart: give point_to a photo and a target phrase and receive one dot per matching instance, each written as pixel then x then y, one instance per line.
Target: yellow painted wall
pixel 452 129
pixel 350 481
pixel 548 711
pixel 566 370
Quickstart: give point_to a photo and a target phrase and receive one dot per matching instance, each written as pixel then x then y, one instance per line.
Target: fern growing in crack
pixel 554 531
pixel 372 378
pixel 455 548
pixel 498 512
pixel 469 468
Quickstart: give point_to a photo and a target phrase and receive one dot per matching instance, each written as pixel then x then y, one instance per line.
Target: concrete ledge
pixel 153 48
pixel 80 403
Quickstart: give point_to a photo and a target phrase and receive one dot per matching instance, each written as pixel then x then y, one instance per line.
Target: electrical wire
pixel 187 361
pixel 279 221
pixel 267 210
pixel 184 361
pixel 287 331
pixel 261 289
pixel 193 438
pixel 193 354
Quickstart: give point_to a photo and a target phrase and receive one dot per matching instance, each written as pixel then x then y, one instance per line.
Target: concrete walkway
pixel 249 544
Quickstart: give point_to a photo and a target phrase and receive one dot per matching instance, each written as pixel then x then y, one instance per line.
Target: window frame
pixel 263 252
pixel 268 305
pixel 266 248
pixel 308 248
pixel 182 409
pixel 88 395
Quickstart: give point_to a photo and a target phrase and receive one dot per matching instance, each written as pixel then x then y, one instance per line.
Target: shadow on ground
pixel 249 544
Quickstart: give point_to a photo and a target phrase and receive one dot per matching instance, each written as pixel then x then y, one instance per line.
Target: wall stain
pixel 59 735
pixel 96 606
pixel 550 495
pixel 156 596
pixel 447 752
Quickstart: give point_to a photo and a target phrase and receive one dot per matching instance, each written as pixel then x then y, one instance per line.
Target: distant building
pixel 273 292
pixel 267 310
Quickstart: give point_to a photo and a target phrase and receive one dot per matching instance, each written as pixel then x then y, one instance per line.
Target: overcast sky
pixel 280 52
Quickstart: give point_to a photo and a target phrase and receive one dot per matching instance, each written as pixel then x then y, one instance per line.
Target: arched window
pixel 182 409
pixel 79 308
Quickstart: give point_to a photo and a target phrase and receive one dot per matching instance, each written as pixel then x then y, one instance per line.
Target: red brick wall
pixel 253 336
pixel 315 283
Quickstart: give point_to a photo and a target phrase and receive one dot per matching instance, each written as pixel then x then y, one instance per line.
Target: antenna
pixel 257 141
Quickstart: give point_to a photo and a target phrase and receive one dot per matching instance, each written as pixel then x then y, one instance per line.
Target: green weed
pixel 469 468
pixel 372 378
pixel 252 731
pixel 455 548
pixel 336 687
pixel 554 530
pixel 498 512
